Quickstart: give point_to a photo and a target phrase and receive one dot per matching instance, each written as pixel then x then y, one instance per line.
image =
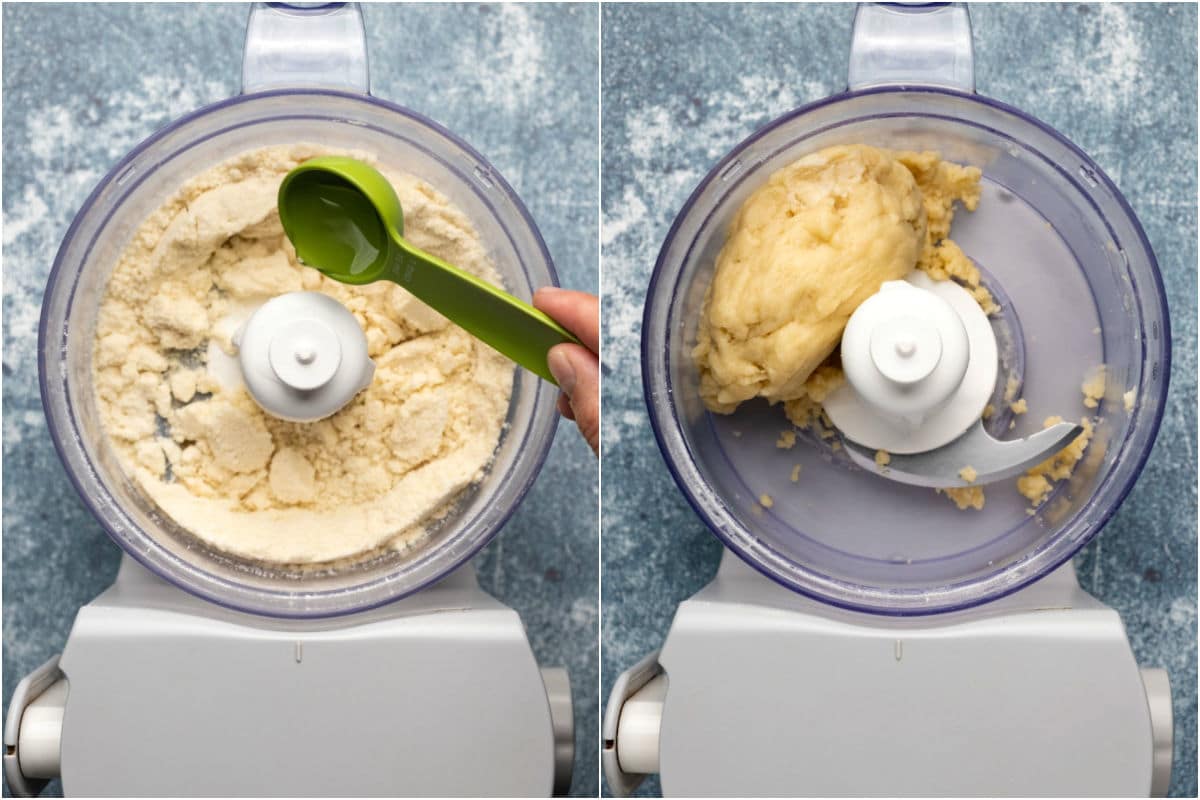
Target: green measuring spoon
pixel 345 219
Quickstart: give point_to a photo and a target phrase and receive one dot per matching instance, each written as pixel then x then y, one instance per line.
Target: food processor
pixel 200 673
pixel 865 636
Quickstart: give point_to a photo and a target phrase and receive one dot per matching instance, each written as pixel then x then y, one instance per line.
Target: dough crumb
pixel 883 458
pixel 291 477
pixel 1093 387
pixel 965 497
pixel 1011 387
pixel 150 455
pixel 951 263
pixel 178 320
pixel 1035 488
pixel 183 385
pixel 988 411
pixel 1129 397
pixel 805 410
pixel 1038 482
pixel 968 474
pixel 765 500
pixel 786 440
pixel 234 433
pixel 796 473
pixel 1019 406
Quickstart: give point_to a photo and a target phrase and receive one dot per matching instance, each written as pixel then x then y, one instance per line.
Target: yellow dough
pixel 965 497
pixel 1038 482
pixel 805 250
pixel 1094 386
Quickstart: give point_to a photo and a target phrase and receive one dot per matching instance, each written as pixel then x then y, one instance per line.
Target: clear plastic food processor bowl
pixel 138 185
pixel 1080 288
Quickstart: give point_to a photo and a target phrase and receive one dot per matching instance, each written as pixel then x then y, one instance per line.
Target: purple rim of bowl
pixel 214 595
pixel 665 421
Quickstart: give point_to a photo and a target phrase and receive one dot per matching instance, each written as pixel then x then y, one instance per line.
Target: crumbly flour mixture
pixel 185 429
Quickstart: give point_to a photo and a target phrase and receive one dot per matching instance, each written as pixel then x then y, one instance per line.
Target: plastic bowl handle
pixel 900 44
pixel 305 45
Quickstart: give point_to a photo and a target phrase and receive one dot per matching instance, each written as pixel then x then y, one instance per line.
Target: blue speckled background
pixel 83 84
pixel 683 84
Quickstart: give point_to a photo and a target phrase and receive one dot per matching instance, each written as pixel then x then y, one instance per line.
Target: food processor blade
pixel 975 451
pixel 921 360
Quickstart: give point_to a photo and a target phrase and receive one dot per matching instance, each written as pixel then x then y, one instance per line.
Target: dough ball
pixel 803 252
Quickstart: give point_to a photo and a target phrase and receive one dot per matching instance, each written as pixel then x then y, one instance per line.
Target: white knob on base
pixel 920 360
pixel 303 356
pixel 905 350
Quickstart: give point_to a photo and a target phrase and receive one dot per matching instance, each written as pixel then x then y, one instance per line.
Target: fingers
pixel 564 407
pixel 578 312
pixel 578 374
pixel 576 370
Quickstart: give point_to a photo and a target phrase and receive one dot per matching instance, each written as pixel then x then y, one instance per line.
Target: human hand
pixel 577 369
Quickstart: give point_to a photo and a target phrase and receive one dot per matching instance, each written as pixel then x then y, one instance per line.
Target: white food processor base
pixel 159 693
pixel 760 691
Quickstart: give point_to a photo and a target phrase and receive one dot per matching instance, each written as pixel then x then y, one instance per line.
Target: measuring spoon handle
pixel 511 326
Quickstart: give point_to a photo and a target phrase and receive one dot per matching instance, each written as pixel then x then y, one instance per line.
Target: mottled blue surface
pixel 683 84
pixel 83 84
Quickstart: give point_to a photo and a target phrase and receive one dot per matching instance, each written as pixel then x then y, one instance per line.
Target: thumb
pixel 577 371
